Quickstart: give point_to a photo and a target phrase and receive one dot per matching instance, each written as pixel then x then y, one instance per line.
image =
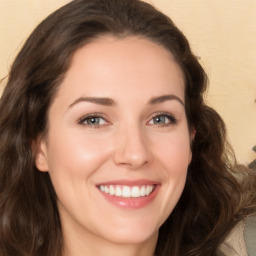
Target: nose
pixel 132 150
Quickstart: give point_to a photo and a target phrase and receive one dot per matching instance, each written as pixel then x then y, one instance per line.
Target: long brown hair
pixel 214 198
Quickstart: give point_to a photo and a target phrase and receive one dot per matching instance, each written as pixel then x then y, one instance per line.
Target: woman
pixel 106 144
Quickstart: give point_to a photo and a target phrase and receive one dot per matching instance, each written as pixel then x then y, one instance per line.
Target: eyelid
pixel 82 119
pixel 173 120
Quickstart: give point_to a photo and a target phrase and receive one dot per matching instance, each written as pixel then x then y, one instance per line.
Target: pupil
pixel 159 119
pixel 93 120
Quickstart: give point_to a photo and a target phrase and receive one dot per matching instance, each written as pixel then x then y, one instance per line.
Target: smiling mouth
pixel 127 191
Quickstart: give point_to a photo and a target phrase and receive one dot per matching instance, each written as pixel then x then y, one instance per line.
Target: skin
pixel 127 144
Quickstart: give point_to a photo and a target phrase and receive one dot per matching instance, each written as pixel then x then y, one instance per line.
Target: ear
pixel 40 149
pixel 192 134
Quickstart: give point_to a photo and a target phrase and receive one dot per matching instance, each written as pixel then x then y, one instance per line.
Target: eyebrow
pixel 163 98
pixel 96 100
pixel 110 102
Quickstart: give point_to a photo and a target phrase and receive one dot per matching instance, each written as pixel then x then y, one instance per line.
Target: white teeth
pixel 111 190
pixel 127 191
pixel 135 192
pixel 118 191
pixel 143 191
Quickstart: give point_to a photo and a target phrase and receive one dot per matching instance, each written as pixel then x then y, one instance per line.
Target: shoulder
pixel 242 239
pixel 250 235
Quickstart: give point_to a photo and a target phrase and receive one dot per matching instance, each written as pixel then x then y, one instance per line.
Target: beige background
pixel 221 32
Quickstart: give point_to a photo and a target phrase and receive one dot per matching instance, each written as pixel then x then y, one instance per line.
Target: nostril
pixel 131 160
pixel 131 149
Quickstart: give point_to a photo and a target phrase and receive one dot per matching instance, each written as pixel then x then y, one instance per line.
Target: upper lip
pixel 129 182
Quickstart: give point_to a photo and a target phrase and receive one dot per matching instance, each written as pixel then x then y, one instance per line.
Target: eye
pixel 162 119
pixel 92 120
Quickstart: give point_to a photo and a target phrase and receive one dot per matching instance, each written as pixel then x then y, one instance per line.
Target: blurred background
pixel 221 33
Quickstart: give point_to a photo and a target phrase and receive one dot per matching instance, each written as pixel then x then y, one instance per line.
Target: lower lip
pixel 131 202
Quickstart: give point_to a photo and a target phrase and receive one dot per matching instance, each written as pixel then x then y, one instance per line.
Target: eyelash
pixel 81 121
pixel 172 119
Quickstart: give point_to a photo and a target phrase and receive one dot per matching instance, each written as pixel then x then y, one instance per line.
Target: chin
pixel 133 237
pixel 132 234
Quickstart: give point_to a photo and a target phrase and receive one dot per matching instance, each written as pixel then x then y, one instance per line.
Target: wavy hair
pixel 216 195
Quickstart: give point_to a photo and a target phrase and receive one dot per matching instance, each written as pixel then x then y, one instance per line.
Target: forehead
pixel 116 64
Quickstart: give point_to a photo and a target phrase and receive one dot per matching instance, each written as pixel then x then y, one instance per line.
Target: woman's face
pixel 118 143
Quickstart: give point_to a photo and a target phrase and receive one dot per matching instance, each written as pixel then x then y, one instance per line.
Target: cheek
pixel 73 162
pixel 174 151
pixel 174 156
pixel 76 156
